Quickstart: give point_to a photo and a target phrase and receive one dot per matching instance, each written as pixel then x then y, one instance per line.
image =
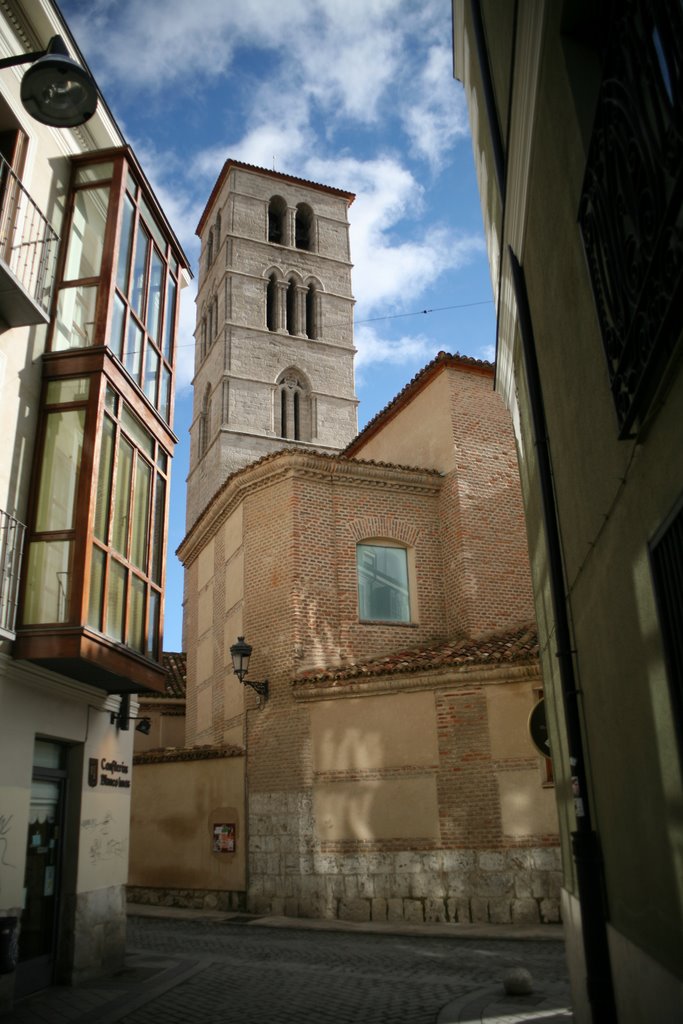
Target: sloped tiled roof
pixel 517 646
pixel 323 458
pixel 419 381
pixel 170 755
pixel 175 666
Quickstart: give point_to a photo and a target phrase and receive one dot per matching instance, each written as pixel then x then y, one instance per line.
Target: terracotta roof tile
pixel 175 665
pixel 280 453
pixel 168 755
pixel 519 645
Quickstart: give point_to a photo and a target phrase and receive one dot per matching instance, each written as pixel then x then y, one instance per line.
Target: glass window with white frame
pixel 383 591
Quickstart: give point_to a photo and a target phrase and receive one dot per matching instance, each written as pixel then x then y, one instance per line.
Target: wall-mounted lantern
pixel 121 718
pixel 56 91
pixel 240 654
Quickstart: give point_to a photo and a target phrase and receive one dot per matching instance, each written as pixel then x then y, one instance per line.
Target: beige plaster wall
pixel 421 435
pixel 167 729
pixel 613 495
pixel 374 732
pixel 173 809
pixel 527 807
pixel 375 809
pixel 508 707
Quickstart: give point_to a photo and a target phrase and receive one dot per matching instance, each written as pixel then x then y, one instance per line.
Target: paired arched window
pixel 208 328
pixel 291 317
pixel 214 319
pixel 293 411
pixel 303 226
pixel 204 417
pixel 203 339
pixel 271 303
pixel 213 241
pixel 280 225
pixel 277 212
pixel 312 324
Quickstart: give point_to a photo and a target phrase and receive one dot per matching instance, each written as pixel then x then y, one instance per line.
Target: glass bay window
pixel 133 309
pixel 92 597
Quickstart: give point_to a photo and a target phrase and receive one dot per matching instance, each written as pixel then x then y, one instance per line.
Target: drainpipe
pixel 585 848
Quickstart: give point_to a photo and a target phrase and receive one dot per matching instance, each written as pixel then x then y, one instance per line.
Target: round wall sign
pixel 538 728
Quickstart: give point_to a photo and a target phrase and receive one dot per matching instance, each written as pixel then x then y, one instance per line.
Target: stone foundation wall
pixel 192 899
pixel 291 875
pixel 94 939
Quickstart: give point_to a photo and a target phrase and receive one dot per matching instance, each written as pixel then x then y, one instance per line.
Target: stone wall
pixel 289 874
pixel 238 359
pixel 97 939
pixel 193 899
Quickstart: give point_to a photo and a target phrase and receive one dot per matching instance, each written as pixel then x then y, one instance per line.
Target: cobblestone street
pixel 220 972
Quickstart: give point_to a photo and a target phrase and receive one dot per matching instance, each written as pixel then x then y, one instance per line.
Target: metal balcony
pixel 28 255
pixel 11 548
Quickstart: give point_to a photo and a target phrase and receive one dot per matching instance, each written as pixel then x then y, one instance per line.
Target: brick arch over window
pixel 277 220
pixel 304 222
pixel 293 406
pixel 387 527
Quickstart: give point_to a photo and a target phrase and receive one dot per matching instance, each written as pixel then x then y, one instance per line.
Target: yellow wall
pixel 173 809
pixel 374 732
pixel 421 435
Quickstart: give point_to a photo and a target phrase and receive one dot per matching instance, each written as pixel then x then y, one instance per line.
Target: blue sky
pixel 357 94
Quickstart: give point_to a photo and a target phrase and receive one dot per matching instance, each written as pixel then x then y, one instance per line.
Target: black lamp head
pixel 57 91
pixel 240 653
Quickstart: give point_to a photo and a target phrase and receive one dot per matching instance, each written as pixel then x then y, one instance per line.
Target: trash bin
pixel 9 944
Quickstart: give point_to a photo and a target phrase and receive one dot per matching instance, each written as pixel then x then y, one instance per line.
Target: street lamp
pixel 240 654
pixel 56 91
pixel 121 718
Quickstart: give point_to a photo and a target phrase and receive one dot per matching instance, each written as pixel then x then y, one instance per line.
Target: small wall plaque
pixel 224 838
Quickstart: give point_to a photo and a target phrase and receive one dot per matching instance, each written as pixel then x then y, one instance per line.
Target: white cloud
pixel 342 54
pixel 277 141
pixel 435 114
pixel 373 348
pixel 302 76
pixel 184 364
pixel 388 270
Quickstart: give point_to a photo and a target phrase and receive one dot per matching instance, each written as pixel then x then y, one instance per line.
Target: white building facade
pixel 90 275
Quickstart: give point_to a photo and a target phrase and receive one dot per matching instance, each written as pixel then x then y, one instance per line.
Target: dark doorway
pixel 38 936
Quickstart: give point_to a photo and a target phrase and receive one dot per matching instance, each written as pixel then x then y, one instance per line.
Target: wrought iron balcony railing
pixel 28 254
pixel 11 547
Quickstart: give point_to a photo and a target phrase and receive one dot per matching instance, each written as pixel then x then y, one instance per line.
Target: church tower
pixel 274 337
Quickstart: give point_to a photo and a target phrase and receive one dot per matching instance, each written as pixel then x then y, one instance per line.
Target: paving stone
pixel 202 971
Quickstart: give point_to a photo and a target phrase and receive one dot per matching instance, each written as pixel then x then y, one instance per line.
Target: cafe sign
pixel 108 773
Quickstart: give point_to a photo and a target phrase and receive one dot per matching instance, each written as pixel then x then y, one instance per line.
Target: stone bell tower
pixel 274 337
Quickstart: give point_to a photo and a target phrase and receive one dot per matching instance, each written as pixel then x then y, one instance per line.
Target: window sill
pixel 388 622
